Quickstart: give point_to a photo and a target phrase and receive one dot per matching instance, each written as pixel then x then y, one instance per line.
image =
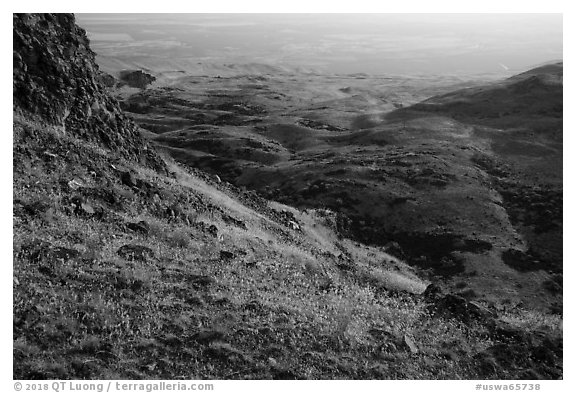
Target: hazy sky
pixel 339 43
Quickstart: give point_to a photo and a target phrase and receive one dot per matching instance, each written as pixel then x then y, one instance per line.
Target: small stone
pixel 394 249
pixel 128 179
pixel 294 225
pixel 134 252
pixel 479 310
pixel 381 334
pixel 141 227
pixel 213 230
pixel 409 341
pixel 36 208
pixel 194 301
pixel 432 291
pixel 62 254
pixel 174 211
pixel 75 184
pixel 449 355
pixel 429 363
pixel 227 255
pixel 86 208
pixel 50 155
pixel 454 305
pixel 201 281
pixel 207 336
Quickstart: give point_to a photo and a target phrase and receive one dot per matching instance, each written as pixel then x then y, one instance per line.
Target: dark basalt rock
pixel 432 292
pixel 212 229
pixel 137 78
pixel 529 261
pixel 227 255
pixel 207 336
pixel 48 257
pixel 231 220
pixel 200 281
pixel 394 249
pixel 56 80
pixel 80 206
pixel 140 227
pixel 134 252
pixel 106 79
pixel 317 125
pixel 455 306
pixel 128 179
pixel 35 208
pixel 536 361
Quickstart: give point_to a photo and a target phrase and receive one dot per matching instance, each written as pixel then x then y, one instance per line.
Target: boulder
pixel 410 344
pixel 394 249
pixel 106 79
pixel 200 281
pixel 137 78
pixel 75 184
pixel 227 255
pixel 207 336
pixel 36 208
pixel 432 292
pixel 140 227
pixel 128 179
pixel 453 305
pixel 87 209
pixel 134 252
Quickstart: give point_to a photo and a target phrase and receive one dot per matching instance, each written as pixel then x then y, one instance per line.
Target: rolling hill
pixel 460 181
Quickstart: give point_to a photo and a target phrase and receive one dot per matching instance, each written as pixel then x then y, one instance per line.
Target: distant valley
pixel 464 177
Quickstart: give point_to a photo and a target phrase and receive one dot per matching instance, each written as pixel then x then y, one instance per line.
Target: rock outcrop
pixel 137 78
pixel 56 81
pixel 106 79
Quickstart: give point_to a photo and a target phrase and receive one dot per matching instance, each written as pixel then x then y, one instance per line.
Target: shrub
pixel 179 239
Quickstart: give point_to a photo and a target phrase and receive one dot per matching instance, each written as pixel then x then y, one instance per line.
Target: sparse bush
pixel 343 317
pixel 312 266
pixel 552 286
pixel 179 239
pixel 469 294
pixel 93 248
pixel 156 230
pixel 533 320
pixel 124 193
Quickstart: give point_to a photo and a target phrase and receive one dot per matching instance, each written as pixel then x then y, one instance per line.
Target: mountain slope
pixel 531 100
pixel 132 268
pixel 520 122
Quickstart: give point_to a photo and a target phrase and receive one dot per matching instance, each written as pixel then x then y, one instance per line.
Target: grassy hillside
pixel 151 276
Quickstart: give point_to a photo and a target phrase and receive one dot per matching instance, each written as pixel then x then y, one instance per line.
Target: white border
pixel 300 6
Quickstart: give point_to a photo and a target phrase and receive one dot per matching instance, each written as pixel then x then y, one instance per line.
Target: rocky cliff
pixel 56 81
